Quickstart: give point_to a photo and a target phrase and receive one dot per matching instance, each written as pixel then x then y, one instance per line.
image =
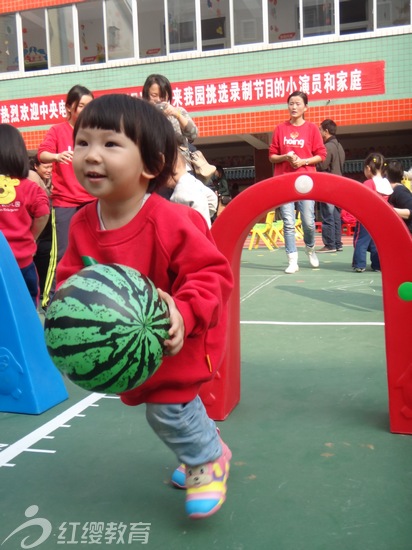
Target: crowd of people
pixel 298 146
pixel 97 188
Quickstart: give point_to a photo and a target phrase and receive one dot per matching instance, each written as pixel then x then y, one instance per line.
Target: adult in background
pixel 221 188
pixel 158 90
pixel 333 163
pixel 296 148
pixel 67 194
pixel 45 249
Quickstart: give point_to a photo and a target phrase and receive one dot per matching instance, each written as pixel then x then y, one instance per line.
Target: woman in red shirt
pixel 296 147
pixel 67 194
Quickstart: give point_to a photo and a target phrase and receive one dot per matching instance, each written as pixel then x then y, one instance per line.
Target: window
pixel 318 18
pixel 355 16
pixel 248 22
pixel 119 29
pixel 215 25
pixel 151 24
pixel 101 31
pixel 91 35
pixel 9 60
pixel 61 36
pixel 182 25
pixel 34 40
pixel 391 13
pixel 282 21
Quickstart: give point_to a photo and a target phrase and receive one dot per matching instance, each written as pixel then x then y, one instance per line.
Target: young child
pixel 123 149
pixel 24 205
pixel 373 168
pixel 401 198
pixel 192 192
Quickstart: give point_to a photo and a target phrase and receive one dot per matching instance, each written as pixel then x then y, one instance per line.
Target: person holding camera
pixel 158 90
pixel 222 188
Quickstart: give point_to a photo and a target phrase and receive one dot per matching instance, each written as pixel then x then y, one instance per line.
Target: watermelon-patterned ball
pixel 105 328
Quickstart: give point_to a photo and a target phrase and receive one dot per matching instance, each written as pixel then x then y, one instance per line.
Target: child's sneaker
pixel 178 478
pixel 206 485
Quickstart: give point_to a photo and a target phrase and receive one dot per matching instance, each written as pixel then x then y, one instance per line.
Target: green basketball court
pixel 314 466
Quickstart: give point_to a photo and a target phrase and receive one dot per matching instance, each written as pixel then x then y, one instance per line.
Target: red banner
pixel 323 83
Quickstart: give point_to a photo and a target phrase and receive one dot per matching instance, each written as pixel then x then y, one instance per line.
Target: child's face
pixel 109 165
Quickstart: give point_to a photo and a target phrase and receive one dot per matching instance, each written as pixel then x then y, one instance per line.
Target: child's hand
pixel 177 327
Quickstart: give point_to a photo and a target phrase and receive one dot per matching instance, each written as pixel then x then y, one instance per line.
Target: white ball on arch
pixel 303 184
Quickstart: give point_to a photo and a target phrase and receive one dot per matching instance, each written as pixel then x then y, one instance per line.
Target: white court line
pixel 47 451
pixel 338 324
pixel 259 287
pixel 26 442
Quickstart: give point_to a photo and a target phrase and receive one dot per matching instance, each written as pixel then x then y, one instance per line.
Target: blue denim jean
pixel 363 244
pixel 307 214
pixel 187 430
pixel 331 225
pixel 32 282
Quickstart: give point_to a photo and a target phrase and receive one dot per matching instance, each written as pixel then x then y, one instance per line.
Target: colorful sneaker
pixel 206 485
pixel 179 477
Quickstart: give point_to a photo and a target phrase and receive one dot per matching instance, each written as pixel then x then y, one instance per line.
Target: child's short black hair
pixel 394 171
pixel 142 123
pixel 14 158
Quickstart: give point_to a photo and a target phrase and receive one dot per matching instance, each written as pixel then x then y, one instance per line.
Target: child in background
pixel 123 149
pixel 67 195
pixel 401 198
pixel 24 205
pixel 373 168
pixel 192 192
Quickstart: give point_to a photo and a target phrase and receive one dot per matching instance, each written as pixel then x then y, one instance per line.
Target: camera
pixel 162 105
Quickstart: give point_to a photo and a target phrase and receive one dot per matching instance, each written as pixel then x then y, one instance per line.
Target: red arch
pixel 395 253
